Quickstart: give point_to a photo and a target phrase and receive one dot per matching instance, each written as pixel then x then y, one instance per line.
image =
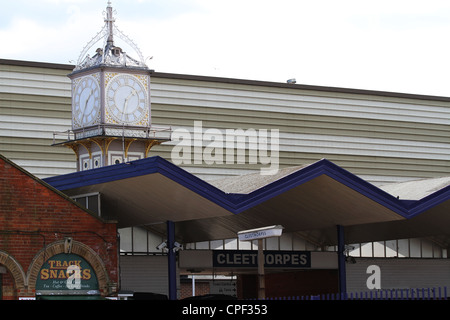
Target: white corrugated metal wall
pixel 144 274
pixel 382 138
pixel 399 273
pixel 34 103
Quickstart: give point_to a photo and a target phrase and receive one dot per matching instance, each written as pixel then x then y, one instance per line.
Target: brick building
pixel 46 238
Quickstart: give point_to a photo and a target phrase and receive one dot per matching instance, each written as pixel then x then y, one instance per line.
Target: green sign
pixel 66 274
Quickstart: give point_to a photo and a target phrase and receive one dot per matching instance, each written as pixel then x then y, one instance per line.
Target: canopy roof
pixel 310 200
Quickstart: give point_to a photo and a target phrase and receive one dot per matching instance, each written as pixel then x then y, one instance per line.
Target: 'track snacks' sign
pixel 66 274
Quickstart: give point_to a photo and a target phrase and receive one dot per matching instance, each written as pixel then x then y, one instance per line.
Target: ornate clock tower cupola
pixel 111 109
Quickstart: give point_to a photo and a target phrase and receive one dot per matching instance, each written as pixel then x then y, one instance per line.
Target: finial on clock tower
pixel 110 54
pixel 110 24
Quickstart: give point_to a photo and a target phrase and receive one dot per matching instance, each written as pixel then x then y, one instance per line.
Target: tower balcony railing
pixel 154 132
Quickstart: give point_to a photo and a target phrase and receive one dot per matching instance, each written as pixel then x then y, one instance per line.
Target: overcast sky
pixel 388 45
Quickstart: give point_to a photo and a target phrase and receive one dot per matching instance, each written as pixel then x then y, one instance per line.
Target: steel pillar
pixel 341 260
pixel 171 254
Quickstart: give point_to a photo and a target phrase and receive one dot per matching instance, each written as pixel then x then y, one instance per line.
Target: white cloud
pixel 381 45
pixel 57 2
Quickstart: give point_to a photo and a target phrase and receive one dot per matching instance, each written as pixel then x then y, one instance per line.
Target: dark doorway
pixel 289 284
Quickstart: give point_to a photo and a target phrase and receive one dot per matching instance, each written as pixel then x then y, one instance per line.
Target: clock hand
pixel 131 95
pixel 87 100
pixel 126 102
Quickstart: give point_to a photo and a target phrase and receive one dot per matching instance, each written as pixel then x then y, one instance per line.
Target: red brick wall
pixel 201 288
pixel 33 215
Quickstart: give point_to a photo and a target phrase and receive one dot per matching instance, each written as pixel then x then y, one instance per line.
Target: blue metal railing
pixel 435 293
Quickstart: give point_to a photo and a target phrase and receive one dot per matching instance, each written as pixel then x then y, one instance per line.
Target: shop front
pixel 287 273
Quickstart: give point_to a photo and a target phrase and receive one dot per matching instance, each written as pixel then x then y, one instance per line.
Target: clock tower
pixel 111 104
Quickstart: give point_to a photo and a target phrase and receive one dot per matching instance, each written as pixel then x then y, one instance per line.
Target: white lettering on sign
pixel 254 235
pixel 272 259
pixel 237 258
pixel 283 259
pixel 259 234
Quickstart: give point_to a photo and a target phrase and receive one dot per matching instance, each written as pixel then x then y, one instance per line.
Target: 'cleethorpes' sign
pixel 273 259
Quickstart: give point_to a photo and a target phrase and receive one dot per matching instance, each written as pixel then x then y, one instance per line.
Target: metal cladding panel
pixel 144 274
pixel 380 136
pixel 399 273
pixel 34 103
pixel 34 81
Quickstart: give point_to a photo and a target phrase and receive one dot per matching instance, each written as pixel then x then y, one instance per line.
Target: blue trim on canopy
pixel 237 203
pixel 417 207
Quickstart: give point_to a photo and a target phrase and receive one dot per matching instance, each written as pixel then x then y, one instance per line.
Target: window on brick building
pixel 90 201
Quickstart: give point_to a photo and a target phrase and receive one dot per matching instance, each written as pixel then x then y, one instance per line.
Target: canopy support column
pixel 172 260
pixel 341 260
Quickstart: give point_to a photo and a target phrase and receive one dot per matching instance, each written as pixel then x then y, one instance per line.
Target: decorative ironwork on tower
pixel 109 54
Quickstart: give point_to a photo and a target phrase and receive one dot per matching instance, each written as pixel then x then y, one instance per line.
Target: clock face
pixel 86 102
pixel 127 101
